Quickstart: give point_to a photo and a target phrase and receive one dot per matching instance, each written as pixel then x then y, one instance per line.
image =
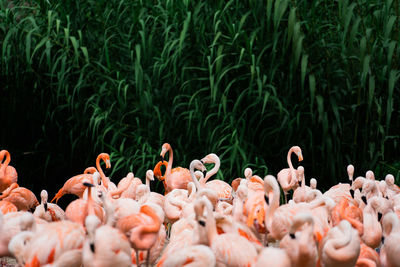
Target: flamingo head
pixel 370 175
pixel 157 170
pixel 150 175
pixel 210 158
pixel 197 164
pixel 165 147
pixel 44 196
pixel 2 153
pixel 350 172
pixel 106 158
pixel 297 150
pixel 248 172
pixel 389 179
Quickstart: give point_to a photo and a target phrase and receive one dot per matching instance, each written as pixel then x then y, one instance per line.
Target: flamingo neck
pixel 170 160
pixel 119 191
pixel 155 227
pixel 100 170
pixel 195 181
pixel 211 227
pixel 289 159
pixel 7 161
pixel 213 171
pixel 8 191
pixel 274 204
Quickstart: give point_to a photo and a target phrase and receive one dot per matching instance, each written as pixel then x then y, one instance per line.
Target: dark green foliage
pixel 243 79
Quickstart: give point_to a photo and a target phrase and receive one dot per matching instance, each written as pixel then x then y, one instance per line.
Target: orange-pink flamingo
pixel 8 174
pixel 21 197
pixel 176 178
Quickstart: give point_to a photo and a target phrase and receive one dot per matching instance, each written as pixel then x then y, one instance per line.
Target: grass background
pixel 243 79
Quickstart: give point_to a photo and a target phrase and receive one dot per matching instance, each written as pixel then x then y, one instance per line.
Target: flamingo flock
pixel 201 222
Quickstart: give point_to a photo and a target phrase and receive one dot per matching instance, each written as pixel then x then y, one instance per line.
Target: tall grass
pixel 243 79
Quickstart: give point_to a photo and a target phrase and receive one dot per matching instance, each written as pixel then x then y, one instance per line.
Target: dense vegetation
pixel 244 79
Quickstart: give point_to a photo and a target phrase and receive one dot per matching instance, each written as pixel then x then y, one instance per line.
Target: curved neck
pixel 213 171
pixel 170 160
pixel 194 179
pixel 147 181
pixel 155 227
pixel 274 204
pixel 102 175
pixel 8 191
pixel 333 247
pixel 289 159
pixel 211 227
pixel 119 191
pixel 6 154
pixel 193 191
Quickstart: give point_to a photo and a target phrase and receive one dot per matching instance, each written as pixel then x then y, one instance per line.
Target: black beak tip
pixel 364 199
pixel 383 240
pixel 352 193
pixel 379 216
pixel 45 206
pixel 292 236
pixel 202 223
pixel 92 247
pixel 162 159
pixel 88 184
pixel 204 173
pixel 266 199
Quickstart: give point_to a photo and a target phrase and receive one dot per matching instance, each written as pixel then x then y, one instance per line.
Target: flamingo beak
pixel 108 164
pixel 162 158
pixel 88 184
pixel 300 157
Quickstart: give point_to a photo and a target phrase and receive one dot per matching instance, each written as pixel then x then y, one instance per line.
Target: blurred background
pixel 243 79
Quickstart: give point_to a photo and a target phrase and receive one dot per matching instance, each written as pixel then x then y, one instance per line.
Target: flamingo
pixel 105 245
pixel 133 182
pixel 10 225
pixel 49 243
pixel 74 185
pixel 372 233
pixel 176 178
pixel 288 177
pixel 79 209
pixel 390 250
pixel 300 244
pixel 21 197
pixel 48 211
pixel 8 174
pixel 142 228
pixel 230 249
pixel 223 189
pixel 340 247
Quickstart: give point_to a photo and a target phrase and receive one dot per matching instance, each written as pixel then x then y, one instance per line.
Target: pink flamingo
pixel 300 244
pixel 230 249
pixel 105 245
pixel 79 209
pixel 8 174
pixel 372 233
pixel 340 247
pixel 176 178
pixel 288 177
pixel 48 244
pixel 392 189
pixel 390 250
pixel 146 194
pixel 10 225
pixel 142 228
pixel 133 183
pixel 21 197
pixel 48 211
pixel 223 189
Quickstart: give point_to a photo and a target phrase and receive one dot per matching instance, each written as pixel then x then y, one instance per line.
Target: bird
pixel 48 211
pixel 79 209
pixel 105 245
pixel 8 174
pixel 74 186
pixel 142 229
pixel 21 197
pixel 176 178
pixel 299 242
pixel 340 247
pixel 288 177
pixel 271 256
pixel 197 255
pixel 390 250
